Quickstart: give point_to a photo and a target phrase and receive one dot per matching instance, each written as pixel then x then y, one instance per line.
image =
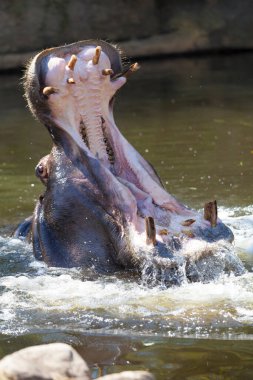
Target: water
pixel 193 120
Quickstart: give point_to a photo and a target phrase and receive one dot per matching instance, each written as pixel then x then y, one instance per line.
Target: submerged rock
pixel 55 361
pixel 128 375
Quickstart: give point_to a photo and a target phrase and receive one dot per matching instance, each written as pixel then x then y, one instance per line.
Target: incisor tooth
pixel 49 91
pixel 107 72
pixel 96 57
pixel 72 62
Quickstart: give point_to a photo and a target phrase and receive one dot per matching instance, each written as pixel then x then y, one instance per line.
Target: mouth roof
pixel 79 88
pixel 34 78
pixel 88 73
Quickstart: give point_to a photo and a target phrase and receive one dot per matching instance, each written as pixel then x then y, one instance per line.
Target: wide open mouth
pixel 79 87
pixel 79 90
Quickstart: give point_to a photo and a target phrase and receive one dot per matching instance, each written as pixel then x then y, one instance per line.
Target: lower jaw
pixel 167 224
pixel 163 230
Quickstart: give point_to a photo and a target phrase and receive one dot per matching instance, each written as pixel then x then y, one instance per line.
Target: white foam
pixel 240 220
pixel 34 297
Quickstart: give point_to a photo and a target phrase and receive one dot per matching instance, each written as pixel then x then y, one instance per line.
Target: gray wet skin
pixel 99 190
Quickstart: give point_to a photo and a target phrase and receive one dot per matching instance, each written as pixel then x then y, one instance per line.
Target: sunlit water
pixel 193 120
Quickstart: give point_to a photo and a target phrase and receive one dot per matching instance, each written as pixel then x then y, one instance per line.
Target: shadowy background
pixel 142 27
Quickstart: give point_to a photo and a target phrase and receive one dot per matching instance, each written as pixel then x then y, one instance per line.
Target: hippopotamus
pixel 104 206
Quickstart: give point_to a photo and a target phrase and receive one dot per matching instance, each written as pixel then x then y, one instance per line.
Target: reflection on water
pixel 193 120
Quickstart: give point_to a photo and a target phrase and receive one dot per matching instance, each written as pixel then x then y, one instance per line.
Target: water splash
pixel 240 220
pixel 35 298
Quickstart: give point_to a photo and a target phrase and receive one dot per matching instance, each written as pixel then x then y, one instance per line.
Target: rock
pixel 29 26
pixel 142 28
pixel 15 60
pixel 128 375
pixel 178 42
pixel 55 361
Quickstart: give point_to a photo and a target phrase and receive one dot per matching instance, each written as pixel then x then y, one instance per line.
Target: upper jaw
pixel 52 68
pixel 71 87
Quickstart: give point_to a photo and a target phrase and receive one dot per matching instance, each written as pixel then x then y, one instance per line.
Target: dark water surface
pixel 193 120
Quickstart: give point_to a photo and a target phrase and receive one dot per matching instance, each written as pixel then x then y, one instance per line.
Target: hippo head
pixel 104 206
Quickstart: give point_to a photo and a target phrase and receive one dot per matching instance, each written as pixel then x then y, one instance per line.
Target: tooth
pixel 190 234
pixel 210 212
pixel 164 231
pixel 150 230
pixel 134 67
pixel 96 57
pixel 72 62
pixel 71 81
pixel 188 222
pixel 107 72
pixel 49 91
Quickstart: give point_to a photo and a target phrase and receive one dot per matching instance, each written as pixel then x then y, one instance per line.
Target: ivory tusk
pixel 210 212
